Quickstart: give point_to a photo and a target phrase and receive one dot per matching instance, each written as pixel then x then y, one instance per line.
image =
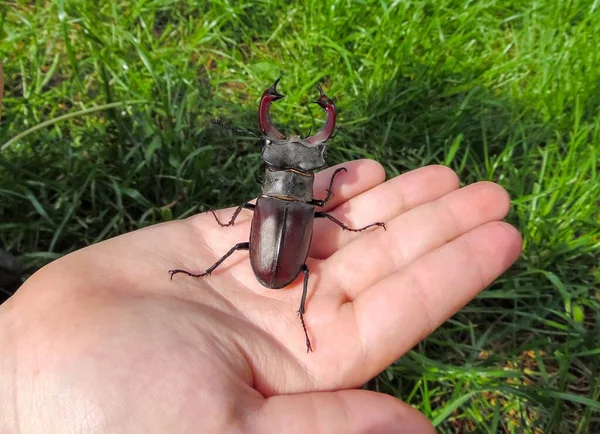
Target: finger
pixel 349 411
pixel 405 307
pixel 414 233
pixel 382 203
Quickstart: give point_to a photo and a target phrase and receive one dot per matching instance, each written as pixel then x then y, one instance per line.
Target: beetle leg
pixel 343 226
pixel 238 246
pixel 303 305
pixel 234 216
pixel 322 203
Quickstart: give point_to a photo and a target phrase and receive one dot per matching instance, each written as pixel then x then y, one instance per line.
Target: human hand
pixel 102 341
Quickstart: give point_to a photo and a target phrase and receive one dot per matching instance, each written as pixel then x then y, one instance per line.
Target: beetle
pixel 282 226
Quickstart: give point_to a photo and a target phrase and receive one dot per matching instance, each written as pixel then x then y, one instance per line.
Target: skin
pixel 101 341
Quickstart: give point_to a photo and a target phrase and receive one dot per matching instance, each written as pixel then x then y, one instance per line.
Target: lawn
pixel 106 129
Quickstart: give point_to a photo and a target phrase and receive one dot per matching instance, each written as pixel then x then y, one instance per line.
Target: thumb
pixel 347 411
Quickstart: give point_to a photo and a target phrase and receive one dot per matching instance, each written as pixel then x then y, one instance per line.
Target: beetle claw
pixel 274 87
pixel 223 225
pixel 174 272
pixel 264 120
pixel 328 129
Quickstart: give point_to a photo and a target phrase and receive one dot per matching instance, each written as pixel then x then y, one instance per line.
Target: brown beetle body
pixel 280 239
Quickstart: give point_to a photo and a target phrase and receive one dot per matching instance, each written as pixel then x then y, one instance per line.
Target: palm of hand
pixel 223 351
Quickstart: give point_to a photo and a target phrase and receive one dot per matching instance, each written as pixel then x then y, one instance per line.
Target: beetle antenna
pixel 220 123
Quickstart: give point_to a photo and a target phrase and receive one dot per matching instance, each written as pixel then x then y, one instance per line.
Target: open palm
pixel 125 349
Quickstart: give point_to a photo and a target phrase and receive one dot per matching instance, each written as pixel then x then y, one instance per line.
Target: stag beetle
pixel 282 226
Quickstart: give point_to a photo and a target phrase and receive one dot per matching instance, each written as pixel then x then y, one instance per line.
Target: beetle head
pixel 294 152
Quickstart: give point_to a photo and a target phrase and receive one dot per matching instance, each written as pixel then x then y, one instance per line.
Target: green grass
pixel 499 90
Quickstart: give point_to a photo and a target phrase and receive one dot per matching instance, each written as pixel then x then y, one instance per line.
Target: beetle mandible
pixel 282 225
